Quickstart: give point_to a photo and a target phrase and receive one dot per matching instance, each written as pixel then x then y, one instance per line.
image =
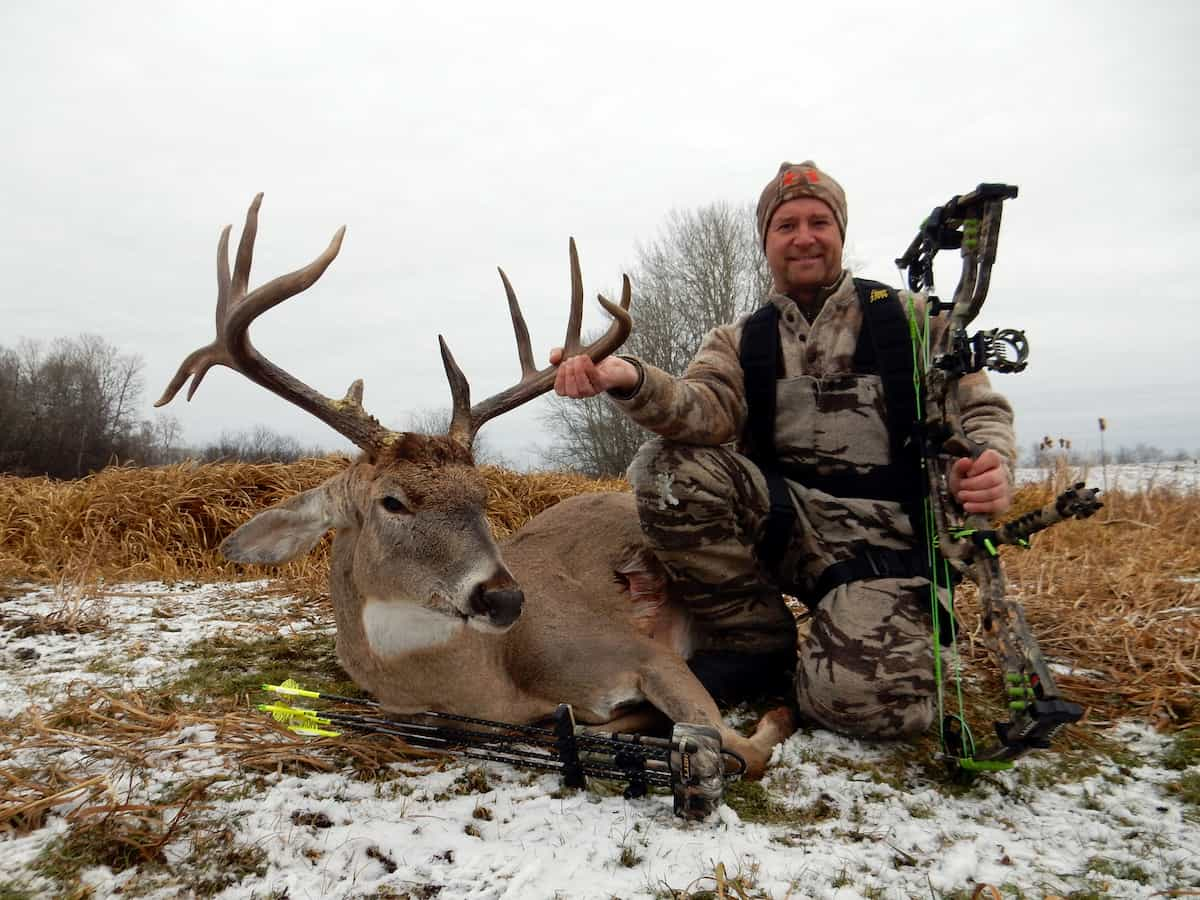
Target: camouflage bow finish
pixel 969 544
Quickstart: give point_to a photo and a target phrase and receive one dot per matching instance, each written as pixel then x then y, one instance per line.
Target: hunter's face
pixel 803 246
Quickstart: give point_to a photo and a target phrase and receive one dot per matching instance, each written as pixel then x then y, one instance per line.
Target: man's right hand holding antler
pixel 579 377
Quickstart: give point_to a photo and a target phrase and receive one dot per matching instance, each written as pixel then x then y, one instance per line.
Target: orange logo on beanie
pixel 791 177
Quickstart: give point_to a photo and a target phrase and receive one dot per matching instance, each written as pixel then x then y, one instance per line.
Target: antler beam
pixel 236 310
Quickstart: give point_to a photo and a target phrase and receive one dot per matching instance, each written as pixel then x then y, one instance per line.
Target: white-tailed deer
pixel 431 613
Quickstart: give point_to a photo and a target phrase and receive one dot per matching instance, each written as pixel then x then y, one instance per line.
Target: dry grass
pixel 1107 595
pixel 166 523
pixel 120 732
pixel 129 792
pixel 1116 595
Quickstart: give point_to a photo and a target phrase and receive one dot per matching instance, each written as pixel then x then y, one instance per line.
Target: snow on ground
pixel 146 626
pixel 1177 476
pixel 846 819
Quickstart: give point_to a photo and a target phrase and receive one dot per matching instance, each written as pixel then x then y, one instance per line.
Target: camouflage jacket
pixel 827 415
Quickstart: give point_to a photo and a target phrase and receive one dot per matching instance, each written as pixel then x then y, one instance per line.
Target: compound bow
pixel 968 545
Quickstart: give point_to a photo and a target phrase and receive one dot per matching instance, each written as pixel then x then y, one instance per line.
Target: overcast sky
pixel 453 140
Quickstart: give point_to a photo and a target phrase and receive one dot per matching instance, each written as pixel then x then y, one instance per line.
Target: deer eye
pixel 393 505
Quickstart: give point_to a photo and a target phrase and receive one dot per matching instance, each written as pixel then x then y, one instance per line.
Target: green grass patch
pixel 220 862
pixel 1186 789
pixel 752 803
pixel 1111 868
pixel 629 858
pixel 225 668
pixel 107 842
pixel 107 665
pixel 217 859
pixel 1051 770
pixel 841 879
pixel 1184 750
pixel 473 780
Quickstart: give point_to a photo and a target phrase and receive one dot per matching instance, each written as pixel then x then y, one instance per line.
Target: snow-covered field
pixel 1176 476
pixel 839 818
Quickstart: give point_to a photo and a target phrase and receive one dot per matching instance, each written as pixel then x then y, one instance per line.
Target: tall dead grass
pixel 166 523
pixel 1115 599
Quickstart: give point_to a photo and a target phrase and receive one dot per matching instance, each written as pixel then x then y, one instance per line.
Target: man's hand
pixel 579 377
pixel 981 485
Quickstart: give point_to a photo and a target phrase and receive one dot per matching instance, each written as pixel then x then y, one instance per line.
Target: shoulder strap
pixel 885 330
pixel 759 356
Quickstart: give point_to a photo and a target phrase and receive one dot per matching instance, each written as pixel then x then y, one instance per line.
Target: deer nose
pixel 502 606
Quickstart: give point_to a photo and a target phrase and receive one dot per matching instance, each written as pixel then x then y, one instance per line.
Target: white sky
pixel 453 140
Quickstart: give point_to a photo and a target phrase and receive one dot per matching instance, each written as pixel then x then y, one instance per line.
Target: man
pixel 866 665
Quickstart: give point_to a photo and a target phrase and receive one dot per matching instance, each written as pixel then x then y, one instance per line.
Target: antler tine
pixel 575 319
pixel 236 310
pixel 468 420
pixel 222 278
pixel 520 329
pixel 245 250
pixel 460 391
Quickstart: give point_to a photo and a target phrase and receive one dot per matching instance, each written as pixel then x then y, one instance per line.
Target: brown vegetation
pixel 166 523
pixel 1117 598
pixel 1113 597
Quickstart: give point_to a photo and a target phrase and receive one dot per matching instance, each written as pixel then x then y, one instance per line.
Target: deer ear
pixel 285 531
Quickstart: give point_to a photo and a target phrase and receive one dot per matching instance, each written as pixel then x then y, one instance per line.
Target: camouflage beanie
pixel 800 180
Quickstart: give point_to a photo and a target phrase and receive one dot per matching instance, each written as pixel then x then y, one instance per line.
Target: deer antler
pixel 236 310
pixel 469 419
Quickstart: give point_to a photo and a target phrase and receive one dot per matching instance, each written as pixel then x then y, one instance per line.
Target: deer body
pixel 432 614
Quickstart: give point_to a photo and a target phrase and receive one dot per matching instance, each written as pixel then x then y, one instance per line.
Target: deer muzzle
pixel 500 606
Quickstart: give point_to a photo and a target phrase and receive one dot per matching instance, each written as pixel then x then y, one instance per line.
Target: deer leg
pixel 669 684
pixel 644 719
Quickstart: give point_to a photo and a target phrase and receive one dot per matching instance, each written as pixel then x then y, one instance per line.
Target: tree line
pixel 1049 451
pixel 73 406
pixel 70 408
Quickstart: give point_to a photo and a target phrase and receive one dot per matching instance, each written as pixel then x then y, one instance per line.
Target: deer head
pixel 410 513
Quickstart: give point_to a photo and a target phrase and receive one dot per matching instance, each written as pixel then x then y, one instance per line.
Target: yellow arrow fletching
pixel 282 713
pixel 290 688
pixel 313 732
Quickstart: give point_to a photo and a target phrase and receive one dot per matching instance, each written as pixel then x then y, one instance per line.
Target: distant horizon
pixel 1082 431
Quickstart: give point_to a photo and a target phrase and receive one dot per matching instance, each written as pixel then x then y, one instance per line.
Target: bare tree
pixel 594 437
pixel 158 441
pixel 704 269
pixel 68 410
pixel 258 445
